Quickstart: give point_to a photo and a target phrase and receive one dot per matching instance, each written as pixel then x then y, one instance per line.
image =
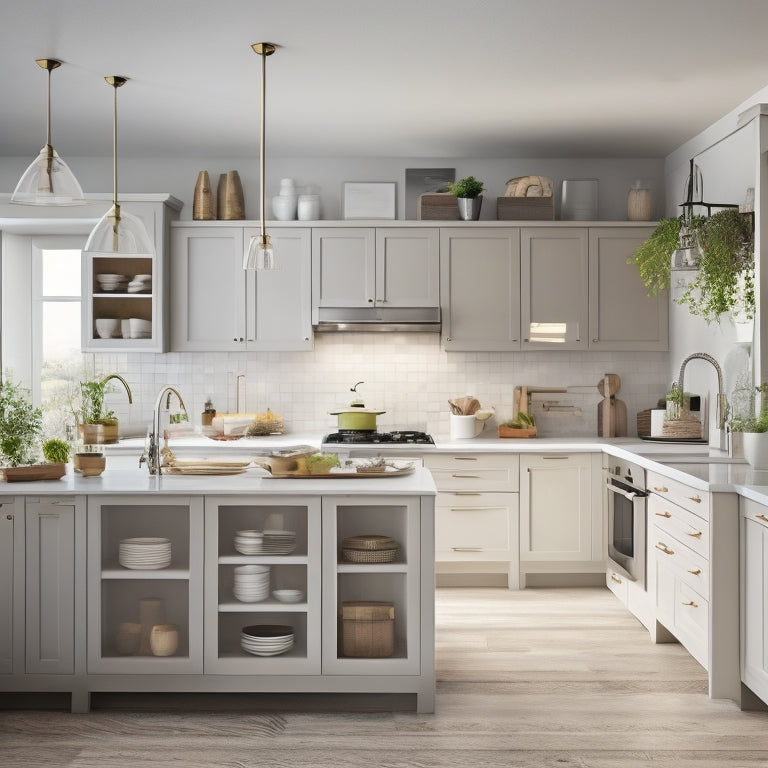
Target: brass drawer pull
pixel 471 477
pixel 474 509
pixel 695 571
pixel 664 548
pixel 615 578
pixel 661 489
pixel 691 604
pixel 762 517
pixel 465 458
pixel 663 514
pixel 696 535
pixel 467 549
pixel 697 499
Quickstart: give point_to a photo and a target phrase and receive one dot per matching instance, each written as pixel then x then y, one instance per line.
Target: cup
pixel 128 638
pixel 164 639
pixel 463 427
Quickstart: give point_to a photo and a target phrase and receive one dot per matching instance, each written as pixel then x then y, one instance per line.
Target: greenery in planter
pixel 754 423
pixel 56 451
pixel 653 258
pixel 468 187
pixel 92 401
pixel 20 424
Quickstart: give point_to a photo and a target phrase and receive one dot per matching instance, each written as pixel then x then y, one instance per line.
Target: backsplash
pixel 407 375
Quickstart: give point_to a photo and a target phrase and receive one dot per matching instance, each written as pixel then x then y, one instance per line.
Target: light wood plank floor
pixel 551 678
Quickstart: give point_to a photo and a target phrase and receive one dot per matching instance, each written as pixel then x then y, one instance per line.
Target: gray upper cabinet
pixel 480 288
pixel 555 287
pixel 622 317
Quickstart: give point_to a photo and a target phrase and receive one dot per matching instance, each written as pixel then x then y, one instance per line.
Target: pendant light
pixel 118 232
pixel 48 180
pixel 260 253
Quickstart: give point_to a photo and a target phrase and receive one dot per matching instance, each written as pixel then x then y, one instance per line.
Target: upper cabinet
pixel 218 306
pixel 137 303
pixel 381 266
pixel 622 317
pixel 480 288
pixel 555 287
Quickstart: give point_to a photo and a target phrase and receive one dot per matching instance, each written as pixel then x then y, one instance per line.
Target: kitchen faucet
pixel 722 403
pixel 152 454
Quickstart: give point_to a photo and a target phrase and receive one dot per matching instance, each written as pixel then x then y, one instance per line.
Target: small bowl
pixel 107 328
pixel 288 595
pixel 90 464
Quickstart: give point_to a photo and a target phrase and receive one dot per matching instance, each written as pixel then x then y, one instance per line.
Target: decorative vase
pixel 164 639
pixel 756 449
pixel 469 207
pixel 639 203
pixel 308 207
pixel 231 204
pixel 203 205
pixel 284 207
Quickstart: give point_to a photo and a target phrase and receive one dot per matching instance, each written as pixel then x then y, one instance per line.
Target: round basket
pixel 369 541
pixel 369 555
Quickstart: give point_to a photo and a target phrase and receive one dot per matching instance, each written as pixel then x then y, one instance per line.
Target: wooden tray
pixel 30 472
pixel 203 470
pixel 517 432
pixel 344 475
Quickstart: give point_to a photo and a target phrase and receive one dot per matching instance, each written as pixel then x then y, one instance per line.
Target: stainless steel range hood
pixel 384 319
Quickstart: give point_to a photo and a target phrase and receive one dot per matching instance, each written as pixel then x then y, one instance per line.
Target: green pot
pixel 356 418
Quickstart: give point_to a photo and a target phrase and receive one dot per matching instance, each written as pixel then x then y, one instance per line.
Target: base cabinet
pixel 10 521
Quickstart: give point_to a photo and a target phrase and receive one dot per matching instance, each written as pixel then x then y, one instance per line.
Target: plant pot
pixel 357 417
pixel 89 464
pixel 98 434
pixel 469 207
pixel 756 449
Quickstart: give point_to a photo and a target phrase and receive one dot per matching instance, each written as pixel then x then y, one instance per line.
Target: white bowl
pixel 107 328
pixel 288 595
pixel 125 328
pixel 140 328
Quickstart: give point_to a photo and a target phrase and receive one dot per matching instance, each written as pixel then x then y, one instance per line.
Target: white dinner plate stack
pixel 145 554
pixel 112 283
pixel 251 583
pixel 140 284
pixel 278 542
pixel 266 639
pixel 249 542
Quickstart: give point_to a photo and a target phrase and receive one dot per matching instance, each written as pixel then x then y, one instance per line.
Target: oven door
pixel 626 528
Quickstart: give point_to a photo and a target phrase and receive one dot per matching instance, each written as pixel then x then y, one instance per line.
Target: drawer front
pixel 475 472
pixel 681 494
pixel 676 521
pixel 617 584
pixel 475 527
pixel 691 568
pixel 692 621
pixel 751 510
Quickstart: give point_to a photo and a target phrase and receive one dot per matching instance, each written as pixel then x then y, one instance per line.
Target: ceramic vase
pixel 203 204
pixel 164 639
pixel 231 204
pixel 756 449
pixel 639 204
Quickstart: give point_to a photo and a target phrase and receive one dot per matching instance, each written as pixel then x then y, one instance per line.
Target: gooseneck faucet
pixel 152 455
pixel 722 402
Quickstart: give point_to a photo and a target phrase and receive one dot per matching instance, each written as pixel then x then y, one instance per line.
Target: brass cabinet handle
pixel 467 549
pixel 615 578
pixel 691 604
pixel 661 489
pixel 466 493
pixel 697 499
pixel 664 548
pixel 696 535
pixel 663 514
pixel 550 458
pixel 695 571
pixel 474 509
pixel 762 517
pixel 465 458
pixel 472 477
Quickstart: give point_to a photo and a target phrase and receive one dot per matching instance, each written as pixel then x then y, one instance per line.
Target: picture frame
pixel 369 200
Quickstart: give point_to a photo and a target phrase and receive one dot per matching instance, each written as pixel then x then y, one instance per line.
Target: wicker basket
pixel 525 208
pixel 644 423
pixel 369 555
pixel 367 629
pixel 369 541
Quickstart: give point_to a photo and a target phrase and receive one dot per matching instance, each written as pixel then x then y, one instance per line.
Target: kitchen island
pixel 82 621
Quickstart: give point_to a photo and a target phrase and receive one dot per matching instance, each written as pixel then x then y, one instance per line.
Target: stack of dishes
pixel 249 542
pixel 288 595
pixel 145 554
pixel 266 639
pixel 140 329
pixel 369 548
pixel 278 542
pixel 140 284
pixel 251 583
pixel 112 283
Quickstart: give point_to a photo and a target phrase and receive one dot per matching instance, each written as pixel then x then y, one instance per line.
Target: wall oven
pixel 626 498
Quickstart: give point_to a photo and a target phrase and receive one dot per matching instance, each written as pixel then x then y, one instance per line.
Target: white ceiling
pixel 381 78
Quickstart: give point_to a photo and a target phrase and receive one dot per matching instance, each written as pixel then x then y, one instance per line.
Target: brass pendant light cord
pixel 264 50
pixel 115 81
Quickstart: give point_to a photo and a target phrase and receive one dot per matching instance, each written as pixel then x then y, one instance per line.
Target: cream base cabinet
pixel 11 521
pixel 561 517
pixel 622 317
pixel 480 289
pixel 218 306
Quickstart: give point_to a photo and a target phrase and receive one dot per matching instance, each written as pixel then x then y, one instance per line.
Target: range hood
pixel 385 319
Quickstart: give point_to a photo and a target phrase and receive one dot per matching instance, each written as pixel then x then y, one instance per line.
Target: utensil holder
pixel 463 427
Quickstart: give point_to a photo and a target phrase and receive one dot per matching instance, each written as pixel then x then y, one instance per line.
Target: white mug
pixel 465 426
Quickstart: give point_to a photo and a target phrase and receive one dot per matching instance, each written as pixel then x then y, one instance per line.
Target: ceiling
pixel 379 78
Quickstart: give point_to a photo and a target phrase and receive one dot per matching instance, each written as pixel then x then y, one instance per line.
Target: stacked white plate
pixel 249 542
pixel 110 283
pixel 140 284
pixel 266 639
pixel 278 542
pixel 145 554
pixel 251 583
pixel 288 595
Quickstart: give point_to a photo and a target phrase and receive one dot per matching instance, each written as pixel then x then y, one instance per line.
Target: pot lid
pixel 356 406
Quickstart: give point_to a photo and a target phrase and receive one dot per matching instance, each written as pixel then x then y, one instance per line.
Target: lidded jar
pixel 639 202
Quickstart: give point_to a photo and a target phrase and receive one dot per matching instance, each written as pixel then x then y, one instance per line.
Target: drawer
pixel 480 526
pixel 751 510
pixel 475 472
pixel 690 567
pixel 692 622
pixel 681 494
pixel 686 527
pixel 618 584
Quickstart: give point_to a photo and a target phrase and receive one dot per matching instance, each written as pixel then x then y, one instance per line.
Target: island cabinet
pixel 219 306
pixel 11 520
pixel 562 526
pixel 375 266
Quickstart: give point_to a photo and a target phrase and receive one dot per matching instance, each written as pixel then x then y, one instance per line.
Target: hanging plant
pixel 653 258
pixel 725 280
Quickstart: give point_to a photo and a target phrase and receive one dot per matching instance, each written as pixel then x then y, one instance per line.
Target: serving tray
pixel 28 472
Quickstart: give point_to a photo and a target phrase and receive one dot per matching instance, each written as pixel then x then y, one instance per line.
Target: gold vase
pixel 204 203
pixel 230 197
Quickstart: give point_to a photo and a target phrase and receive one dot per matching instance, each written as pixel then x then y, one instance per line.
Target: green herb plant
pixel 468 187
pixel 754 423
pixel 56 451
pixel 92 404
pixel 20 424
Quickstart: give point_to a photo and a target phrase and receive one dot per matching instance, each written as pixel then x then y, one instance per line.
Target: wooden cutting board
pixel 611 418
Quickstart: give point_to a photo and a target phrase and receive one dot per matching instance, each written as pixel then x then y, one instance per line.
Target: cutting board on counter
pixel 611 417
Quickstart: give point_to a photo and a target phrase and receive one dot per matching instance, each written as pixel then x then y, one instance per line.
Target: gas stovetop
pixel 371 437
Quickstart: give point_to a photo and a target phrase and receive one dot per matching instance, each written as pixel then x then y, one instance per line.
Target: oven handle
pixel 626 494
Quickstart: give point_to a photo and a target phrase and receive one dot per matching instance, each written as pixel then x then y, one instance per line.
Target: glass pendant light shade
pixel 48 179
pixel 260 254
pixel 118 232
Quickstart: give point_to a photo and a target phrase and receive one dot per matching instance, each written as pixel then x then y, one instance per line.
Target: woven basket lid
pixel 369 541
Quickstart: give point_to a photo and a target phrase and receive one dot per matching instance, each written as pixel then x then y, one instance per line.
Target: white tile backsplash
pixel 407 375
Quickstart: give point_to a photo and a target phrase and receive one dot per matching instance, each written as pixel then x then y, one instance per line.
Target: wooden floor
pixel 551 678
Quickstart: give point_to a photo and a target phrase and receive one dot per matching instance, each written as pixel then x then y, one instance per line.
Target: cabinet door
pixel 480 289
pixel 343 267
pixel 50 585
pixel 8 520
pixel 555 288
pixel 622 317
pixel 208 295
pixel 754 639
pixel 279 301
pixel 407 267
pixel 556 508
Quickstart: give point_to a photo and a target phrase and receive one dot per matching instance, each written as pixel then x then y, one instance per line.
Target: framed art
pixel 369 199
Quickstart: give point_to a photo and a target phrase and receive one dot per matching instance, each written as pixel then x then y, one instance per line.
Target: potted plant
pixel 20 425
pixel 469 197
pixel 56 451
pixel 754 432
pixel 96 425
